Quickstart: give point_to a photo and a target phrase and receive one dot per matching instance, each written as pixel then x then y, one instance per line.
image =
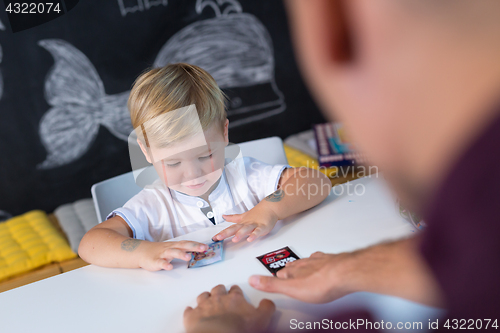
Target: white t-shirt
pixel 158 213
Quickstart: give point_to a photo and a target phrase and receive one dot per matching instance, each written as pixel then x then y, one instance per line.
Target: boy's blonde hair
pixel 158 91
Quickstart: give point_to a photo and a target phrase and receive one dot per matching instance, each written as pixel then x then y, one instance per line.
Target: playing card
pixel 276 260
pixel 210 256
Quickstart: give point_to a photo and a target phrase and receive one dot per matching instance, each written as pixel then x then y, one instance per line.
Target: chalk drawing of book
pixel 234 47
pixel 132 6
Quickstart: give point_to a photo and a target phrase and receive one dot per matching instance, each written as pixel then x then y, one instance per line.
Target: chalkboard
pixel 64 86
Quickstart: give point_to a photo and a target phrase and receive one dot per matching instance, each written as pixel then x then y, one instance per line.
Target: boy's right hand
pixel 155 256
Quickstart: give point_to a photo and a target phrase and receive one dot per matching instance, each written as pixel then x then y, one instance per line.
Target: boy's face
pixel 193 165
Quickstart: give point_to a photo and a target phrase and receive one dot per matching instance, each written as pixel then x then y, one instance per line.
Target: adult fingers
pixel 300 263
pixel 296 269
pixel 190 317
pixel 228 232
pixel 244 231
pixel 218 290
pixel 201 297
pixel 295 288
pixel 235 290
pixel 317 254
pixel 265 312
pixel 187 312
pixel 271 284
pixel 266 307
pixel 293 263
pixel 284 273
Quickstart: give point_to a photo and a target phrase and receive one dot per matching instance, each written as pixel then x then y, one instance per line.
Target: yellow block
pixel 29 241
pixel 297 159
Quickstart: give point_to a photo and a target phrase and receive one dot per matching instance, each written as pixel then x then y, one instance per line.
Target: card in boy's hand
pixel 210 256
pixel 276 260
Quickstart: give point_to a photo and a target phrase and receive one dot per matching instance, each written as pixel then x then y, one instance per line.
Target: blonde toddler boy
pixel 178 113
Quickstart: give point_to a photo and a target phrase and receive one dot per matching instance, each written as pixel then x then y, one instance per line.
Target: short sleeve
pixel 127 215
pixel 263 178
pixel 138 212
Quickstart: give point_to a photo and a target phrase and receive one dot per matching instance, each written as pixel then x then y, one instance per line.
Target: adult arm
pixel 394 268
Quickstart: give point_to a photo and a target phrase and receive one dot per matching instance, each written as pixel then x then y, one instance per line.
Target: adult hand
pixel 394 268
pixel 321 278
pixel 154 256
pixel 222 311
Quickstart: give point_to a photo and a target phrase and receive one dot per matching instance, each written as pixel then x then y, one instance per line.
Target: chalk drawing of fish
pixel 79 105
pixel 234 47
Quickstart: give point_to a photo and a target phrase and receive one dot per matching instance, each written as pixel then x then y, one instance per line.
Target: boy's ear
pixel 226 132
pixel 145 151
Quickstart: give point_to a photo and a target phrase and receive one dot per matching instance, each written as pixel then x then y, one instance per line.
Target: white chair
pixel 115 192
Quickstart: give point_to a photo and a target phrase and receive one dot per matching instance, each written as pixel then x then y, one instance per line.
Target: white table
pixel 96 299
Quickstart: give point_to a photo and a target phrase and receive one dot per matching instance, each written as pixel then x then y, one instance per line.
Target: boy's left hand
pixel 256 222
